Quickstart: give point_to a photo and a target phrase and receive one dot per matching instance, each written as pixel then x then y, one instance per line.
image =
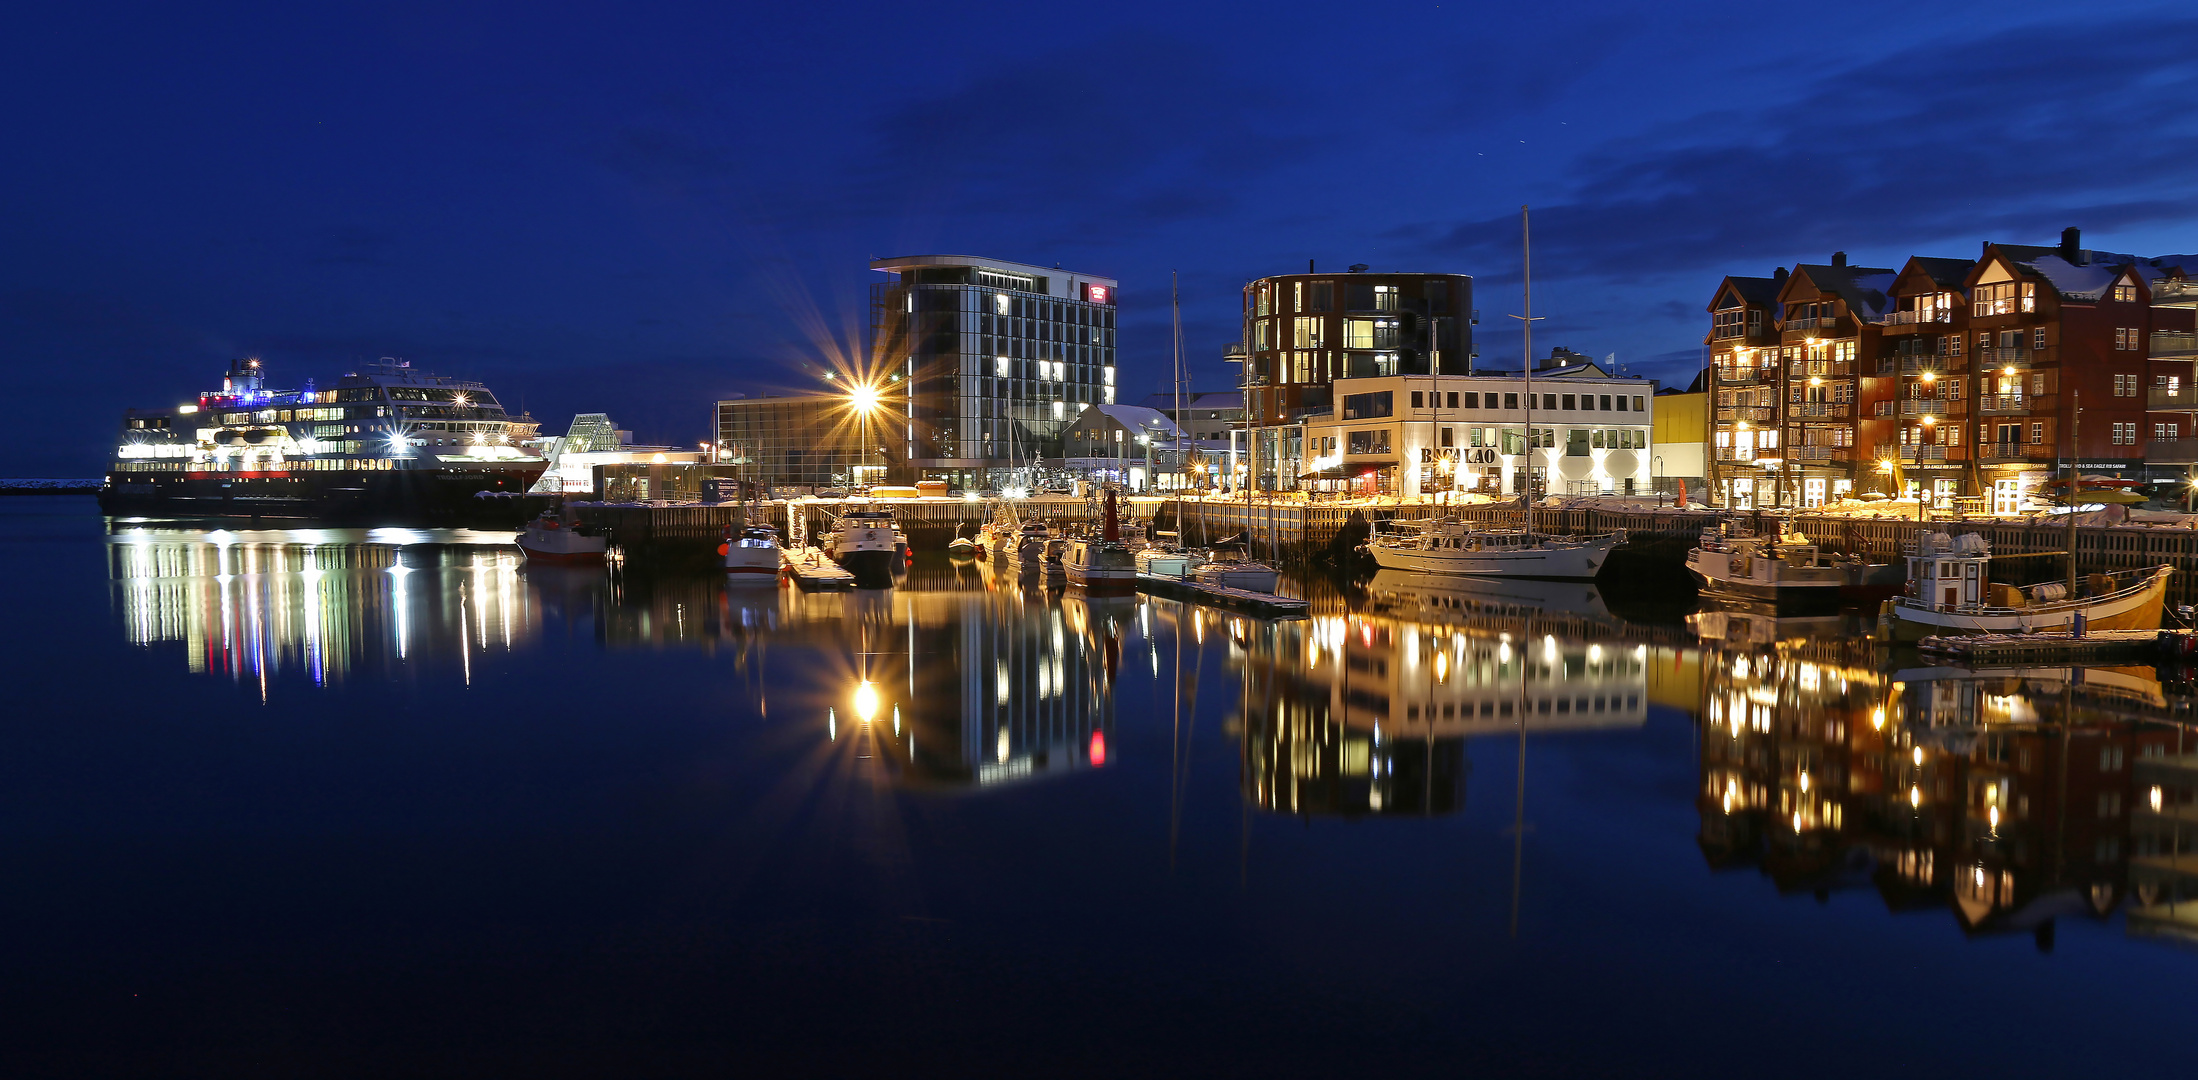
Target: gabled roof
pixel 1864 288
pixel 2091 273
pixel 1759 292
pixel 1939 274
pixel 1135 417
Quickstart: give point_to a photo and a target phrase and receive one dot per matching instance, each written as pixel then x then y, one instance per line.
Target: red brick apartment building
pixel 1952 377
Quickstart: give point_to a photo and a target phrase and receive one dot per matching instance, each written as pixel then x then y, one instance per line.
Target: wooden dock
pixel 813 571
pixel 1245 600
pixel 2054 647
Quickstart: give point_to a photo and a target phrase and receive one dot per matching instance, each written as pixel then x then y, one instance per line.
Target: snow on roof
pixel 1863 287
pixel 1137 417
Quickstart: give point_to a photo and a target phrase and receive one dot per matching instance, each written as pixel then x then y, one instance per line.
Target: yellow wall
pixel 1681 418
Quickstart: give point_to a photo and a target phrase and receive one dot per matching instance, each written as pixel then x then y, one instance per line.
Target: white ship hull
pixel 1556 559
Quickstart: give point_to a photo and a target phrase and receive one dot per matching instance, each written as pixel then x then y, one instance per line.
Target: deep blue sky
pixel 641 210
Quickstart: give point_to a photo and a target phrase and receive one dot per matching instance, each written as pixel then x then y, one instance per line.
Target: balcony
pixel 1912 363
pixel 1819 327
pixel 1754 413
pixel 2174 344
pixel 2172 452
pixel 2175 294
pixel 2016 356
pixel 2003 403
pixel 1932 406
pixel 2007 451
pixel 1744 457
pixel 1831 410
pixel 2180 399
pixel 1738 376
pixel 1910 452
pixel 1913 318
pixel 1818 453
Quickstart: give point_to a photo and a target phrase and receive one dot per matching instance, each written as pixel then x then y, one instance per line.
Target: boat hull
pixel 1580 561
pixel 752 565
pixel 427 495
pixel 872 567
pixel 2136 608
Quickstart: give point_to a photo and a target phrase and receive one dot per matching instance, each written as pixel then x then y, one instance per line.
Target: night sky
pixel 639 211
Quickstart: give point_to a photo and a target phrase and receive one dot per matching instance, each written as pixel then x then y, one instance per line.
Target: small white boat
pixel 753 555
pixel 1950 591
pixel 1248 576
pixel 1455 547
pixel 1169 562
pixel 961 547
pixel 557 536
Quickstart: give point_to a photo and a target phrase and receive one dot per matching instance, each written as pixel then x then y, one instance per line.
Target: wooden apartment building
pixel 1951 377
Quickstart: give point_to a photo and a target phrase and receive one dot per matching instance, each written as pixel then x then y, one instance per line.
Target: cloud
pixel 2016 133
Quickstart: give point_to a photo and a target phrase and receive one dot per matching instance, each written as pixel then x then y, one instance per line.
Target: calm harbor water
pixel 294 802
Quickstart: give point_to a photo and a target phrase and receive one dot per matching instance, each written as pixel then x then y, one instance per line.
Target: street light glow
pixel 864 398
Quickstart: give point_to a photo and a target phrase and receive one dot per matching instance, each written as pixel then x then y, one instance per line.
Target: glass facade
pixel 998 360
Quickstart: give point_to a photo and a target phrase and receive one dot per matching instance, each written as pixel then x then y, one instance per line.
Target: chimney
pixel 1779 275
pixel 2071 243
pixel 1309 266
pixel 1839 258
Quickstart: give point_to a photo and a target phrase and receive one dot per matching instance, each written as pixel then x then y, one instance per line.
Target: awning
pixel 1349 470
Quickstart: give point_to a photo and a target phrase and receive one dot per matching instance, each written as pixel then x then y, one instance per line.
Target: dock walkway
pixel 2096 646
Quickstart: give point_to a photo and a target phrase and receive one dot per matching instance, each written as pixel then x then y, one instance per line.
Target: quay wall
pixel 1656 539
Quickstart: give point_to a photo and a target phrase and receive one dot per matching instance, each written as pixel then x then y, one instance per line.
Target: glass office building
pixel 997 360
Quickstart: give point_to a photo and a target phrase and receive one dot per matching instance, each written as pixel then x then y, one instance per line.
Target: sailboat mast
pixel 1526 331
pixel 1175 305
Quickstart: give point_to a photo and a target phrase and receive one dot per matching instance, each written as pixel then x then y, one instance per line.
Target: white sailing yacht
pixel 1462 547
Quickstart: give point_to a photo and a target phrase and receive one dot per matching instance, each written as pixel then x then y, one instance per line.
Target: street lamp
pixel 863 398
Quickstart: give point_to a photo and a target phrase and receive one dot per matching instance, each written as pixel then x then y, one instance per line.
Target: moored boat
pixel 1950 591
pixel 961 547
pixel 1787 571
pixel 1236 574
pixel 381 443
pixel 1102 564
pixel 865 545
pixel 753 555
pixel 1454 547
pixel 557 536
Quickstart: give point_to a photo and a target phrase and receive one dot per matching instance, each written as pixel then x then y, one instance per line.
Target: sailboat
pixel 1462 547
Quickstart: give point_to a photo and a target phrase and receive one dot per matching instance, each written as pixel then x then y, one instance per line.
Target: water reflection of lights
pixel 255 603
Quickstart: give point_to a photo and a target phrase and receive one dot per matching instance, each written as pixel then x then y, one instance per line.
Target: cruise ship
pixel 383 442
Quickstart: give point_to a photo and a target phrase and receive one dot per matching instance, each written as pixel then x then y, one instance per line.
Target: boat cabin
pixel 1947 572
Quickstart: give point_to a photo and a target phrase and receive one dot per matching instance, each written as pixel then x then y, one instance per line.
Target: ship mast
pixel 1526 330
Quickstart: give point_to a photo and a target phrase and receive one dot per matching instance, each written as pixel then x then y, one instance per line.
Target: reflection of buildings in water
pixel 1366 714
pixel 256 604
pixel 981 688
pixel 2011 798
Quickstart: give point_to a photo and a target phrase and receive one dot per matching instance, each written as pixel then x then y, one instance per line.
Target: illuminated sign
pixel 1098 294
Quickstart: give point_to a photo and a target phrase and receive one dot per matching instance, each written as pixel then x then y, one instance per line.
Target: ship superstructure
pixel 386 440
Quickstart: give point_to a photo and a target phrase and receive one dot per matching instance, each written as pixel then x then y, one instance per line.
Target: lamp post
pixel 863 398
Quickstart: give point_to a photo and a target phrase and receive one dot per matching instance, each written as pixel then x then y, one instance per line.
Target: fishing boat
pixel 1102 564
pixel 865 545
pixel 1787 571
pixel 753 554
pixel 557 536
pixel 1950 591
pixel 1027 547
pixel 1456 547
